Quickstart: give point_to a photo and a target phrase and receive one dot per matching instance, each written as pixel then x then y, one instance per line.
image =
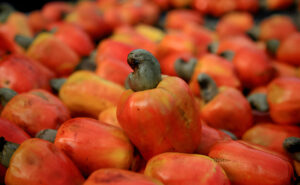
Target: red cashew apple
pixel 23 74
pixel 114 176
pixel 35 110
pixel 37 162
pixel 246 165
pixel 109 148
pixel 169 117
pixel 86 94
pixel 178 168
pixel 12 133
pixel 225 108
pixel 53 53
pixel 271 135
pixel 76 38
pixel 283 98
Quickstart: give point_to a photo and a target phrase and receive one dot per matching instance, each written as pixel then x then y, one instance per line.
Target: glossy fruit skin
pixel 132 13
pixel 283 97
pixel 110 148
pixel 276 27
pixel 36 110
pixel 37 21
pixel 109 116
pixel 228 110
pixel 191 169
pixel 170 103
pixel 176 42
pixel 247 5
pixel 23 74
pixel 17 23
pixel 235 23
pixel 210 136
pixel 7 44
pixel 167 62
pixel 179 18
pixel 12 133
pixel 253 67
pixel 235 44
pixel 215 7
pixel 112 69
pixel 83 93
pixel 113 49
pixel 220 69
pixel 87 16
pixel 39 162
pixel 111 60
pixel 247 165
pixel 54 11
pixel 54 54
pixel 221 7
pixel 119 177
pixel 202 37
pixel 76 38
pixel 284 69
pixel 129 35
pixel 288 50
pixel 271 135
pixel 150 32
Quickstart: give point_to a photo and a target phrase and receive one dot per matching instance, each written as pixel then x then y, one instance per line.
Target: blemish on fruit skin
pixel 32 160
pixel 186 119
pixel 6 82
pixel 110 178
pixel 219 160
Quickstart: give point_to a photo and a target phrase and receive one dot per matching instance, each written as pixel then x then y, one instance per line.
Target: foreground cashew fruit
pixel 228 110
pixel 40 162
pixel 192 169
pixel 11 133
pixel 115 176
pixel 36 110
pixel 271 135
pixel 85 93
pixel 284 100
pixel 169 118
pixel 110 147
pixel 246 165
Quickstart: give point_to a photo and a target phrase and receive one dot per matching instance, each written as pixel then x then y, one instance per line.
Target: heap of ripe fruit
pixel 150 92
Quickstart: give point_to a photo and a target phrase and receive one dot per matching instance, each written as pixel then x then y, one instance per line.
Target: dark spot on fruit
pixel 110 178
pixel 185 118
pixel 6 83
pixel 32 160
pixel 218 160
